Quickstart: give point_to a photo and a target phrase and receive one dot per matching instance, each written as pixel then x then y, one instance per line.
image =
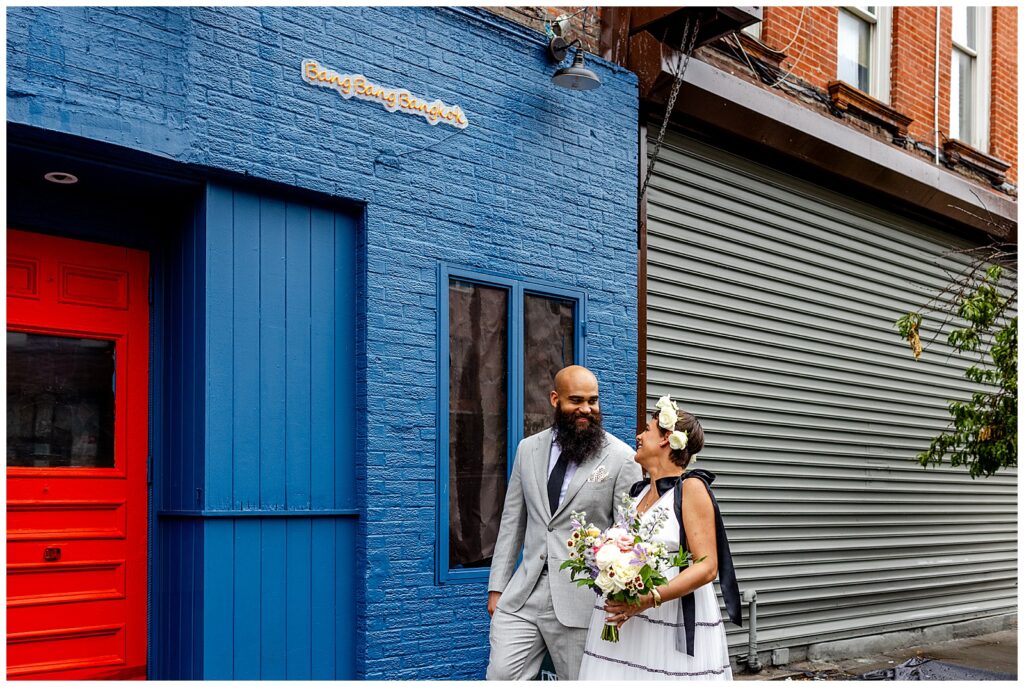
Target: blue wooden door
pixel 278 506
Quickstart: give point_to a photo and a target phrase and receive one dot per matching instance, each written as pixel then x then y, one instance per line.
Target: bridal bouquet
pixel 624 562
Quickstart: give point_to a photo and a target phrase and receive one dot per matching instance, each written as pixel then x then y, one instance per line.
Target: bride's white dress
pixel 646 649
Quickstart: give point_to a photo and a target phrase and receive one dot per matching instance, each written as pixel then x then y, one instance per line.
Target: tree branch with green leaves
pixel 982 433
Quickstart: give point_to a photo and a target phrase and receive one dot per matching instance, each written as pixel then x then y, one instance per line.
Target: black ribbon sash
pixel 726 569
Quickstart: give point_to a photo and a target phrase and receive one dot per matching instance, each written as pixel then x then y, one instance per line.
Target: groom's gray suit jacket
pixel 528 524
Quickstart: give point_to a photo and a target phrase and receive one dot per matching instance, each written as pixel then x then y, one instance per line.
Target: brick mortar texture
pixel 542 185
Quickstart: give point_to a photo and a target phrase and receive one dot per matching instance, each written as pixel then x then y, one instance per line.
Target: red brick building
pixel 809 42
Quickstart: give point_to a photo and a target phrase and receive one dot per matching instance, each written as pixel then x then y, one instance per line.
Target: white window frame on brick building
pixel 973 47
pixel 876 22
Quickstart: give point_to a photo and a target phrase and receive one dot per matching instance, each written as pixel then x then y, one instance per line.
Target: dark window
pixel 502 343
pixel 478 420
pixel 60 401
pixel 548 346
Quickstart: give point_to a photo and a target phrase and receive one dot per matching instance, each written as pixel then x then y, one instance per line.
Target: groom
pixel 574 466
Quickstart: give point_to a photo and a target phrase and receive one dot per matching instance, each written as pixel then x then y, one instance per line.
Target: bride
pixel 676 632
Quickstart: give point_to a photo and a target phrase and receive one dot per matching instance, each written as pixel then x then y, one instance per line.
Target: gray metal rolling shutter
pixel 771 305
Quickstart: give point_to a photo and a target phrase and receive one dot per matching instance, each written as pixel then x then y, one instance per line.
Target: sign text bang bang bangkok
pixel 393 99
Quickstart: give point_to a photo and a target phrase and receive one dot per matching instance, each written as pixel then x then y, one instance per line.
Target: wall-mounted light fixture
pixel 61 177
pixel 576 76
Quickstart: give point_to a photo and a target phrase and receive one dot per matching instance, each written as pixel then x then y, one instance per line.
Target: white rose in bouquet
pixel 624 570
pixel 607 555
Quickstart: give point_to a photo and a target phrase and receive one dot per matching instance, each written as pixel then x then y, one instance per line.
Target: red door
pixel 77 405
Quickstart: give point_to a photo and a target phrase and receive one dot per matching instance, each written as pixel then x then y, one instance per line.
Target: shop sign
pixel 393 99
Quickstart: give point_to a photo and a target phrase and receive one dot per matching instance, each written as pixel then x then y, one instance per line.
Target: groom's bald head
pixel 574 376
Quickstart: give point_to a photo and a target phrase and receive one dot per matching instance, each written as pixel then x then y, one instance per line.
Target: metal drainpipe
pixel 753 662
pixel 936 108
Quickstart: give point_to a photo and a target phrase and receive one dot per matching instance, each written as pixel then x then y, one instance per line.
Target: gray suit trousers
pixel 518 640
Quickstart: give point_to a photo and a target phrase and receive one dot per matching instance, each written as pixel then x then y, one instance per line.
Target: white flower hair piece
pixel 666 402
pixel 677 440
pixel 667 415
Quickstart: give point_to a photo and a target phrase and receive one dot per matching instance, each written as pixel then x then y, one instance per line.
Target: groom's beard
pixel 578 444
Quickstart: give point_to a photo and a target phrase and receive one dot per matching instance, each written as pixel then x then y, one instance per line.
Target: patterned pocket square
pixel 599 474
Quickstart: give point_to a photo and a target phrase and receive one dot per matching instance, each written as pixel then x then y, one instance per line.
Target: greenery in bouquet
pixel 624 562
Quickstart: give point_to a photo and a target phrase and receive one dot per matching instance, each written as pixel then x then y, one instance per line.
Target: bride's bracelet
pixel 657 596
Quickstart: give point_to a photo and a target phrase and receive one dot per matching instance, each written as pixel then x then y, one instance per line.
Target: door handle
pixel 51 553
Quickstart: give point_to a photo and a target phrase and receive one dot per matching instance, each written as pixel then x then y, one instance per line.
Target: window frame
pixel 517 288
pixel 980 92
pixel 879 50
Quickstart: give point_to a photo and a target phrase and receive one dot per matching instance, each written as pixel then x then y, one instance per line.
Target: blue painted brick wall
pixel 541 185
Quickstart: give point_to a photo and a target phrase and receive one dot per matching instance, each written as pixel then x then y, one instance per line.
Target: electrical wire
pixel 381 158
pixel 796 35
pixel 547 22
pixel 586 18
pixel 792 66
pixel 432 145
pixel 762 71
pixel 579 11
pixel 746 57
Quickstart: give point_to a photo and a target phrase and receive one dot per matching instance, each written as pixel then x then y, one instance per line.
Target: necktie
pixel 555 481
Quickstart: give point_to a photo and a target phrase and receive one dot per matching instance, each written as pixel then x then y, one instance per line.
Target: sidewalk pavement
pixel 990 653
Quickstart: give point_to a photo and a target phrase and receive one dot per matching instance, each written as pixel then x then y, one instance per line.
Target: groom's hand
pixel 492 601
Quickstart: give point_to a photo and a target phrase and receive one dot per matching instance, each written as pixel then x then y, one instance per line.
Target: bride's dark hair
pixel 688 423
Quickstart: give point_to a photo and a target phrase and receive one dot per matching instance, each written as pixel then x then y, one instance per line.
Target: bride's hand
pixel 620 611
